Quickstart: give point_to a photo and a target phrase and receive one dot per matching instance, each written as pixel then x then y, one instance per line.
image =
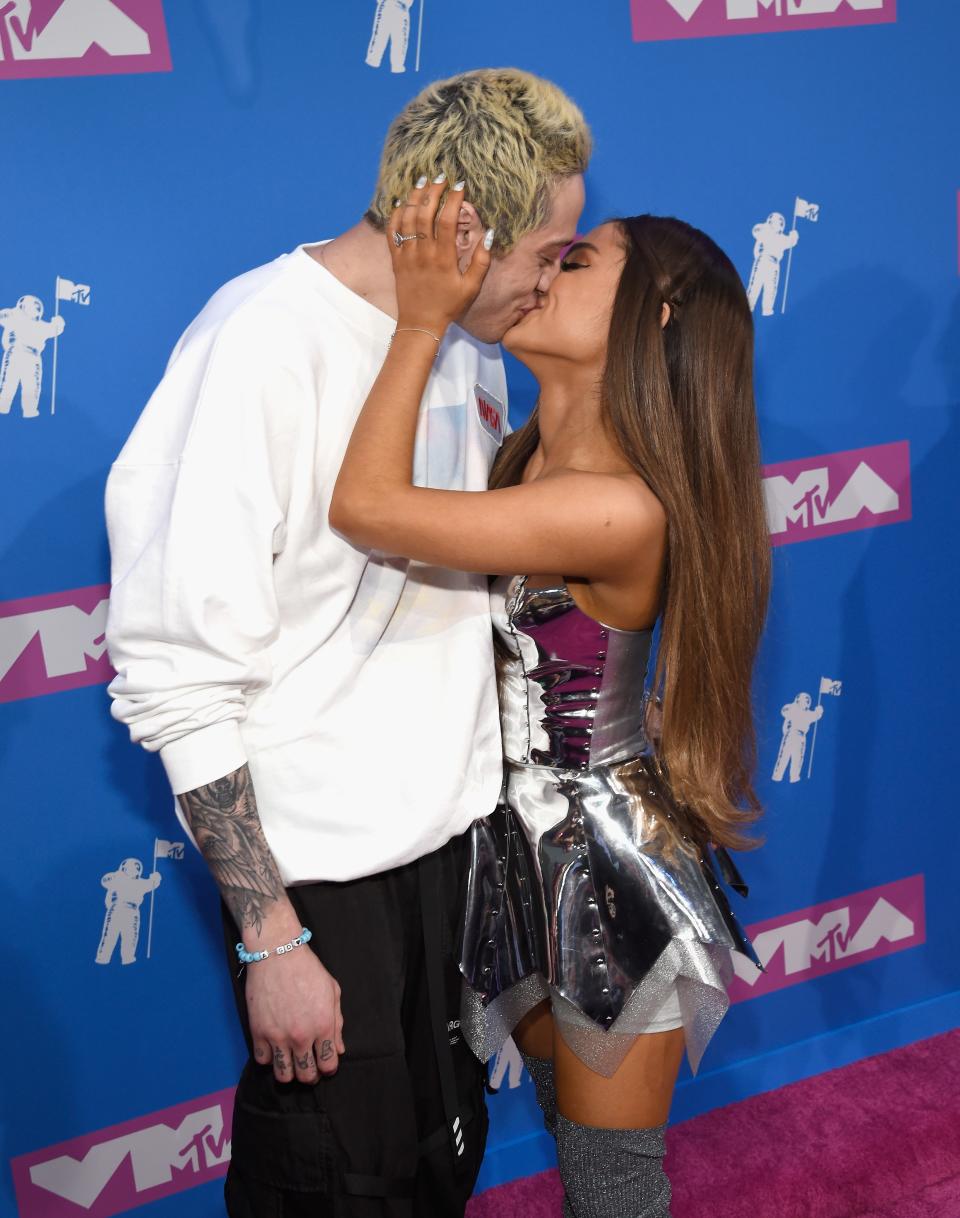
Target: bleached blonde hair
pixel 510 135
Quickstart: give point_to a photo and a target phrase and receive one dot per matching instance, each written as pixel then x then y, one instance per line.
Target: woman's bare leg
pixel 534 1038
pixel 637 1096
pixel 533 1035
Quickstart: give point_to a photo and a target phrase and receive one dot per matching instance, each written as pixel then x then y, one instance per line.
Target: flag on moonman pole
pixel 168 850
pixel 76 293
pixel 830 687
pixel 807 211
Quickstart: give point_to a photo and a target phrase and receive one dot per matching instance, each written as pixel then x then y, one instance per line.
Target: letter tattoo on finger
pixel 280 1060
pixel 305 1062
pixel 326 1050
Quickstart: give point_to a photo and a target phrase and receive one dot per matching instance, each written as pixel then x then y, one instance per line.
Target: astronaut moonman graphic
pixel 391 23
pixel 771 242
pixel 125 893
pixel 25 335
pixel 798 715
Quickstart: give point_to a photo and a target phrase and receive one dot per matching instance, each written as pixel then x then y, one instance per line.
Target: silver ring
pixel 399 238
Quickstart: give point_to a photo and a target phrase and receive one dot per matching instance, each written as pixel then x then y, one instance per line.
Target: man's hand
pixel 292 1001
pixel 295 1017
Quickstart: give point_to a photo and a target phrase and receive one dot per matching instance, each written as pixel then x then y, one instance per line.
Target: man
pixel 327 716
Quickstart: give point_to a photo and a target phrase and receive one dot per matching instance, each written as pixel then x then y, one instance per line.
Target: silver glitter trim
pixel 486 1029
pixel 695 974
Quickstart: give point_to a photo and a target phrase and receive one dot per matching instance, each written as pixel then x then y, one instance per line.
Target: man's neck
pixel 359 258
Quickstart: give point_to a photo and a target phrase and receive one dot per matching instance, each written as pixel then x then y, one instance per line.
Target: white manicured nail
pixel 421 182
pixel 441 177
pixel 459 185
pixel 488 239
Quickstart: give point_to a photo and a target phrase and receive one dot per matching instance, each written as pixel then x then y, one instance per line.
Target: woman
pixel 596 929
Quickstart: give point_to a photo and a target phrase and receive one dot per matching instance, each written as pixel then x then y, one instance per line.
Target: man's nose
pixel 547 276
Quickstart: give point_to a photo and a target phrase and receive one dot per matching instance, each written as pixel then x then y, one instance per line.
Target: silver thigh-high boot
pixel 541 1071
pixel 612 1173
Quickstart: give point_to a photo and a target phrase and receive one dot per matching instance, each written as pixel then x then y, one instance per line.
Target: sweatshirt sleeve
pixel 195 509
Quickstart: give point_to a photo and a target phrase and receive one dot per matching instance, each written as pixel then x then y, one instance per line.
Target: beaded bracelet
pixel 252 957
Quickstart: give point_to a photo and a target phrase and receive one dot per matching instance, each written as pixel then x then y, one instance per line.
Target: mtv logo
pixel 834 935
pixel 82 38
pixel 508 1066
pixel 116 1169
pixel 656 20
pixel 53 643
pixel 838 493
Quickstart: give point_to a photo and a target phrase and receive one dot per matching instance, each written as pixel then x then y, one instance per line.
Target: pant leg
pixel 9 380
pixel 399 38
pixel 295 1145
pixel 129 936
pixel 771 283
pixel 30 385
pixel 378 1124
pixel 109 936
pixel 796 758
pixel 378 38
pixel 448 1167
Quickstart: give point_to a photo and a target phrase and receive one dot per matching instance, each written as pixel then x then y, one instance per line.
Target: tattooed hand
pixel 292 1001
pixel 295 1018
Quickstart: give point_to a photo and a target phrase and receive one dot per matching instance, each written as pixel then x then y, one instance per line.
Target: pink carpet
pixel 878 1139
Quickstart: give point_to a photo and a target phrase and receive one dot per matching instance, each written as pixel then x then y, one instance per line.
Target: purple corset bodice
pixel 571 689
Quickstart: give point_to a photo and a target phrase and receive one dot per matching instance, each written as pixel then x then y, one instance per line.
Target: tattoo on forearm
pixel 326 1050
pixel 224 819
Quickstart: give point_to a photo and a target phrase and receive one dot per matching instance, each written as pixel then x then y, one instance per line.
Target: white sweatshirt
pixel 358 687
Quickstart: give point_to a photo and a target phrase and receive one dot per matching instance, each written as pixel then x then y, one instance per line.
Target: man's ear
pixel 469 233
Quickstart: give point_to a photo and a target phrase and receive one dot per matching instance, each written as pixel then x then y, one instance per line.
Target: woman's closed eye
pixel 573 266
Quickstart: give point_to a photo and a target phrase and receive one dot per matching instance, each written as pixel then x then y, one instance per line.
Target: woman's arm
pixel 571 523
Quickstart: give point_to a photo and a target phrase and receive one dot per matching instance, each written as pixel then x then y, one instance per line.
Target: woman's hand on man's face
pixel 432 291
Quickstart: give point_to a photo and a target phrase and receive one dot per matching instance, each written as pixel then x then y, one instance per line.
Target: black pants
pixel 380 1138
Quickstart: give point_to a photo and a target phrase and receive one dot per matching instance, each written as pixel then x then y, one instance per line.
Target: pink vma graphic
pixel 834 935
pixel 54 642
pixel 81 38
pixel 838 492
pixel 657 20
pixel 115 1169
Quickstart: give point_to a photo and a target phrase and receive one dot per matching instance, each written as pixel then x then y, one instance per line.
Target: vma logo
pixel 832 936
pixel 838 492
pixel 116 1169
pixel 656 20
pixel 52 643
pixel 81 38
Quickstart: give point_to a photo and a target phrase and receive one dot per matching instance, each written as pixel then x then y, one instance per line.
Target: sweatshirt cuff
pixel 203 756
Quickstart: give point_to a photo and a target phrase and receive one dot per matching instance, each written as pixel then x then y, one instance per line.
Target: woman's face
pixel 573 319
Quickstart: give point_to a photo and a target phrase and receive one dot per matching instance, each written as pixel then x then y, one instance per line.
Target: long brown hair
pixel 679 401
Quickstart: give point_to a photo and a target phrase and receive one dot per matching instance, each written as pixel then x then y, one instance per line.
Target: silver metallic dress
pixel 569 895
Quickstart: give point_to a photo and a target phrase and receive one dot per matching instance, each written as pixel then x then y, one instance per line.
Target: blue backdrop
pixel 129 195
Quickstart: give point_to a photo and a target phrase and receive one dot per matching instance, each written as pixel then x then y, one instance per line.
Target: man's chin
pixel 483 329
pixel 492 329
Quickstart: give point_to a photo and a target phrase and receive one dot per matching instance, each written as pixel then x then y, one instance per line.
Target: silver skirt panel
pixel 570 897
